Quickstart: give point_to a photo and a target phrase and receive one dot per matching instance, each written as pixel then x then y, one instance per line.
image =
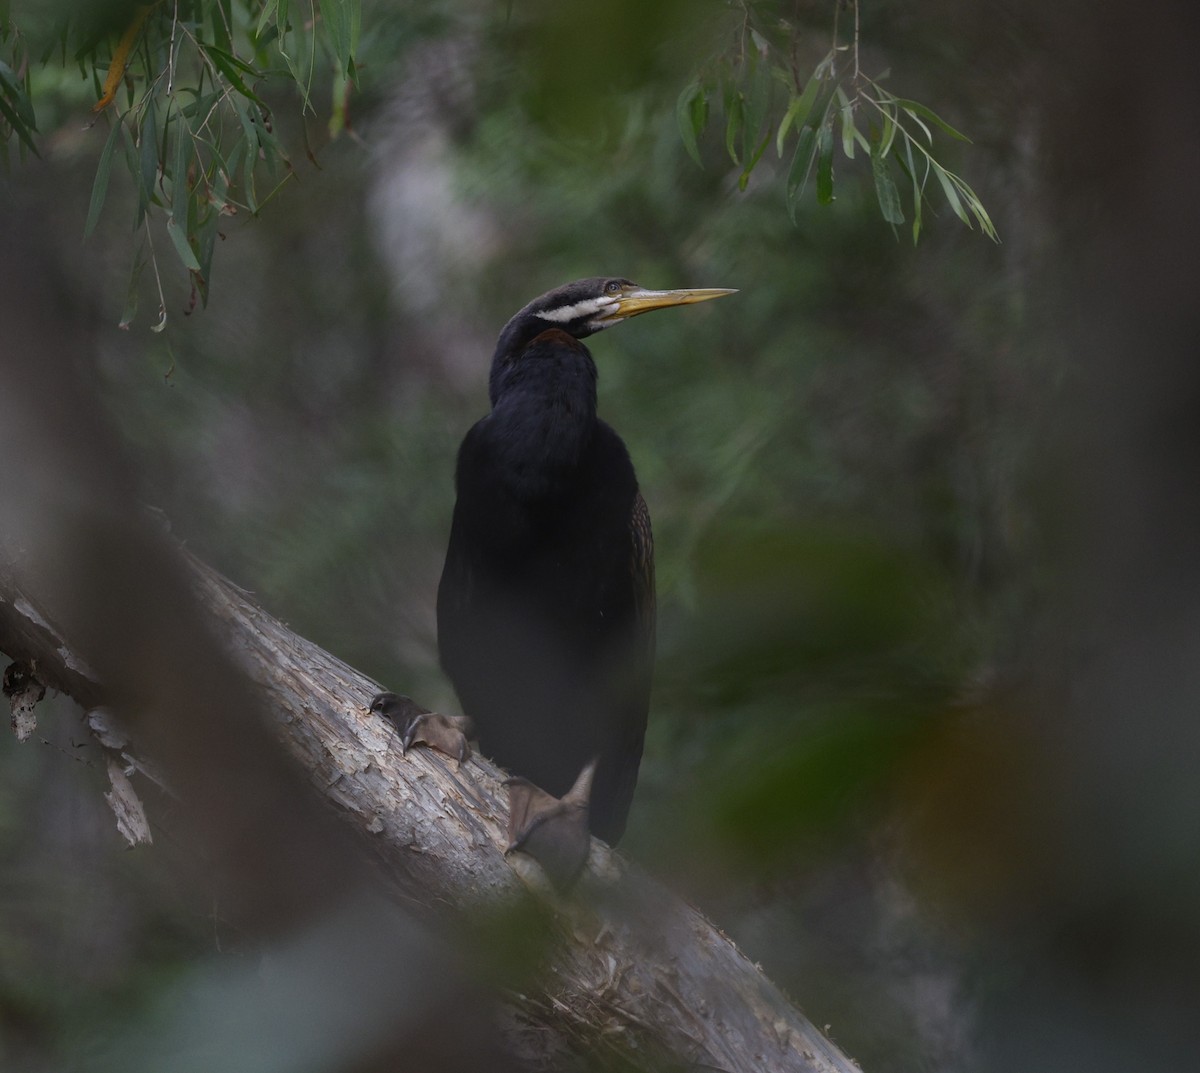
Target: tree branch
pixel 632 965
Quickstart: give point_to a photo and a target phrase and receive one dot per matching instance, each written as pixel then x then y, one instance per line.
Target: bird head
pixel 580 309
pixel 590 305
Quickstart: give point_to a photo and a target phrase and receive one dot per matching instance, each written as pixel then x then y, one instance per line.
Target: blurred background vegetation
pixel 863 509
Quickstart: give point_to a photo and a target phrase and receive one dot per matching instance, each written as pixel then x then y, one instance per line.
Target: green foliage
pixel 189 89
pixel 758 80
pixel 186 88
pixel 17 119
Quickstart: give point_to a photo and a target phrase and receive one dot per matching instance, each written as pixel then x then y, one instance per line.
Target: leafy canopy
pixel 187 90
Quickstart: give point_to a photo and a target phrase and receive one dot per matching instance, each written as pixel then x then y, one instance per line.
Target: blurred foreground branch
pixel 631 964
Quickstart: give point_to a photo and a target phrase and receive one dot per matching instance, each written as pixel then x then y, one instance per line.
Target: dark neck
pixel 517 334
pixel 543 402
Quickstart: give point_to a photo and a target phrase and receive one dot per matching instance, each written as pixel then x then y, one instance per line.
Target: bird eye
pixel 612 287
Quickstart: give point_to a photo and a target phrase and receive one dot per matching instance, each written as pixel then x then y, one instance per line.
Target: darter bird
pixel 546 603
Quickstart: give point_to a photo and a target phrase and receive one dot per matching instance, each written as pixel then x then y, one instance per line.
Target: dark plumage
pixel 546 603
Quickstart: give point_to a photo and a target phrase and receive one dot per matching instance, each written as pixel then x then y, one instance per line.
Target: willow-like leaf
pixel 802 160
pixel 951 193
pixel 179 240
pixel 825 164
pixel 885 188
pixel 233 68
pixel 179 169
pixel 846 112
pixel 918 109
pixel 735 120
pixel 685 119
pixel 100 182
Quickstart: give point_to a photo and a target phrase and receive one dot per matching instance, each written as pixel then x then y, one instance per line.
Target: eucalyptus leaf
pixel 785 124
pixel 918 188
pixel 182 247
pixel 806 148
pixel 232 68
pixel 182 157
pixel 269 9
pixel 19 128
pixel 888 134
pixel 17 96
pixel 336 17
pixel 917 119
pixel 758 103
pixel 950 192
pixel 846 112
pixel 147 158
pixel 100 183
pixel 917 109
pixel 885 189
pixel 825 164
pixel 685 118
pixel 734 122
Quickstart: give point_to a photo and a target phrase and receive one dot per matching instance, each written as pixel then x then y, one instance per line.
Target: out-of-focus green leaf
pixel 758 102
pixel 802 160
pixel 985 221
pixel 734 122
pixel 131 294
pixel 182 247
pixel 100 183
pixel 354 15
pixel 917 109
pixel 147 159
pixel 232 68
pixel 202 105
pixel 951 194
pixel 272 150
pixel 233 161
pixel 179 170
pixel 924 128
pixel 249 129
pixel 803 789
pixel 820 109
pixel 690 119
pixel 16 108
pixel 206 241
pixel 222 21
pixel 17 97
pixel 785 125
pixel 846 110
pixel 755 157
pixel 888 134
pixel 799 109
pixel 251 141
pixel 220 190
pixel 918 188
pixel 340 26
pixel 885 188
pixel 825 164
pixel 269 9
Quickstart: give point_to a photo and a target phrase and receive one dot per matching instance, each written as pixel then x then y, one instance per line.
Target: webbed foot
pixel 446 733
pixel 551 830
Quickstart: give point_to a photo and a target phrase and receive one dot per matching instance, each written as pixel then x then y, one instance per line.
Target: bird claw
pixel 551 830
pixel 447 734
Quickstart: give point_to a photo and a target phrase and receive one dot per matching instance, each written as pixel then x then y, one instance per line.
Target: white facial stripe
pixel 589 307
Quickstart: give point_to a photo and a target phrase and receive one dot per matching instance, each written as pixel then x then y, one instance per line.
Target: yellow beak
pixel 639 300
